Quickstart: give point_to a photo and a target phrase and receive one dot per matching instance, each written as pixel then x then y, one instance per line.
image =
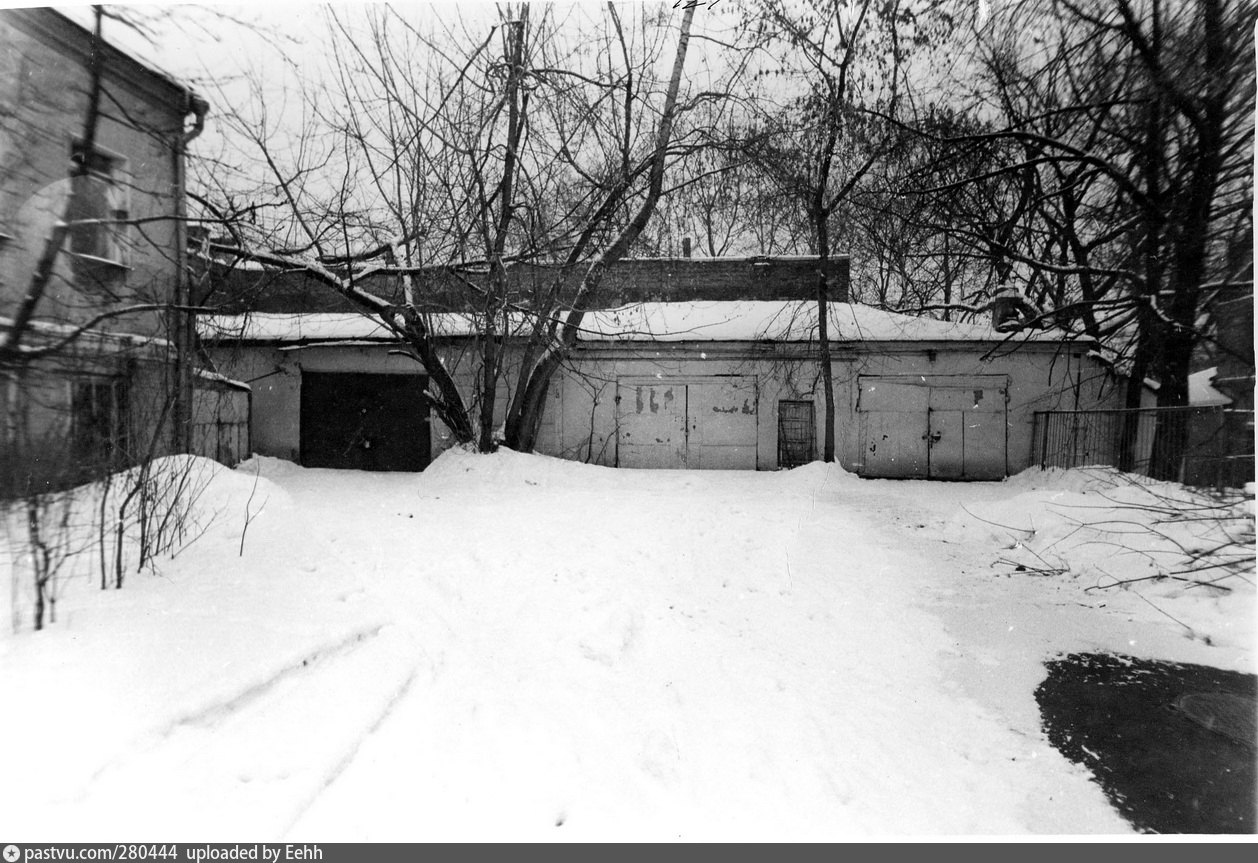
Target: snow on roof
pixel 1201 391
pixel 215 377
pixel 711 321
pixel 322 326
pixel 789 321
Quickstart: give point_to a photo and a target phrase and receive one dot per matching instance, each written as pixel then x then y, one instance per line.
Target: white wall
pixel 580 421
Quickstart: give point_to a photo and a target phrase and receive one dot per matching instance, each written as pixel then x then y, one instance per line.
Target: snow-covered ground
pixel 516 647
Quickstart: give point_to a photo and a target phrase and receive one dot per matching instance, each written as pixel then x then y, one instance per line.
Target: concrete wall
pixel 1039 378
pixel 38 409
pixel 581 420
pixel 43 98
pixel 44 85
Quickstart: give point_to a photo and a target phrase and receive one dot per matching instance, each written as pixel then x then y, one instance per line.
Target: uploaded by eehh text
pixel 262 853
pixel 158 853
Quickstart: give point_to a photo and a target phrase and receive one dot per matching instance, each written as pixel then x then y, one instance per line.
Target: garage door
pixel 364 421
pixel 933 427
pixel 707 423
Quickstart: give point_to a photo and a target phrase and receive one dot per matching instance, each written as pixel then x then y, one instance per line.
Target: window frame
pixel 113 236
pixel 102 434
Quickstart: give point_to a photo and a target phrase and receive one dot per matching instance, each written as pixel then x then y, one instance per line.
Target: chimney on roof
pixel 685 247
pixel 1010 310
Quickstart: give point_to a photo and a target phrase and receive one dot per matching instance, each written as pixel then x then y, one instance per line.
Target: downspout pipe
pixel 198 108
pixel 185 328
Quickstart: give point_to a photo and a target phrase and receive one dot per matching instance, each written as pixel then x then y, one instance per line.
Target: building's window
pixel 99 427
pixel 100 209
pixel 797 433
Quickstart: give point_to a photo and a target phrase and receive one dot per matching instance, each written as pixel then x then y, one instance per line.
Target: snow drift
pixel 518 647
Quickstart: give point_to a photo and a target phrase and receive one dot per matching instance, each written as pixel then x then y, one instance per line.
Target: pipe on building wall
pixel 185 329
pixel 199 108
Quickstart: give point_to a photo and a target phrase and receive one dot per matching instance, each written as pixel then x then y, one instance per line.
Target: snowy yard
pixel 520 648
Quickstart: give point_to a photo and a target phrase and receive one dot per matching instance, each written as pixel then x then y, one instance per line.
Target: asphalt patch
pixel 1172 745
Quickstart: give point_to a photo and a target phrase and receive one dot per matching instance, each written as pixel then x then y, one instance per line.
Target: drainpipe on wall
pixel 185 322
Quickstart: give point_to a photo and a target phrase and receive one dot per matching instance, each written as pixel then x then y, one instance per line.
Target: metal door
pixel 705 422
pixel 895 428
pixel 933 428
pixel 723 424
pixel 945 440
pixel 651 425
pixel 968 431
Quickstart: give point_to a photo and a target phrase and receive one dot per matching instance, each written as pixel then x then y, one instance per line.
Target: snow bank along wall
pixel 926 409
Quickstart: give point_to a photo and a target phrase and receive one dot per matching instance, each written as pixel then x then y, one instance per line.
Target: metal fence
pixel 1216 442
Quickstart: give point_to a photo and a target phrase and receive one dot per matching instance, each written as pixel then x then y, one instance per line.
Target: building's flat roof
pixel 71 27
pixel 703 321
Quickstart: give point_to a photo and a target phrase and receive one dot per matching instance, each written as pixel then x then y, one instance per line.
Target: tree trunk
pixel 823 338
pixel 493 344
pixel 1129 430
pixel 1170 438
pixel 522 428
pixel 449 407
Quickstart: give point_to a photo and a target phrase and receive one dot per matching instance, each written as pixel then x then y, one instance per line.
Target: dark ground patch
pixel 1173 746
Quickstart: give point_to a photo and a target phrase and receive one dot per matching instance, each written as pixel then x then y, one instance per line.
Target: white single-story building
pixel 726 384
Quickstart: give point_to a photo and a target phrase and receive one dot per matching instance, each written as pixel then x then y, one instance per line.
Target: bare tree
pixel 1122 151
pixel 484 146
pixel 842 56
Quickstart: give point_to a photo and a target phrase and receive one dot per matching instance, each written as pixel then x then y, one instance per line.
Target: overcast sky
pixel 211 47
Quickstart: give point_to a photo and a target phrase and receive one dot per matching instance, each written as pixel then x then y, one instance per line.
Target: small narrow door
pixel 946 444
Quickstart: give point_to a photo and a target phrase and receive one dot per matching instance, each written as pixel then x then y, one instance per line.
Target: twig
pixel 1022 567
pixel 1192 632
pixel 1030 530
pixel 249 514
pixel 1161 576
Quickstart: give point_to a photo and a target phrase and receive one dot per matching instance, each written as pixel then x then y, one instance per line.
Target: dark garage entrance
pixel 364 421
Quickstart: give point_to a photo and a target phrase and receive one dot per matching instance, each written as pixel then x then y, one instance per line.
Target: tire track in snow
pixel 347 758
pixel 217 712
pixel 222 706
pixel 243 760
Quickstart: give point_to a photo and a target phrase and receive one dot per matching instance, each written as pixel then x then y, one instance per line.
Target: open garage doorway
pixel 359 421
